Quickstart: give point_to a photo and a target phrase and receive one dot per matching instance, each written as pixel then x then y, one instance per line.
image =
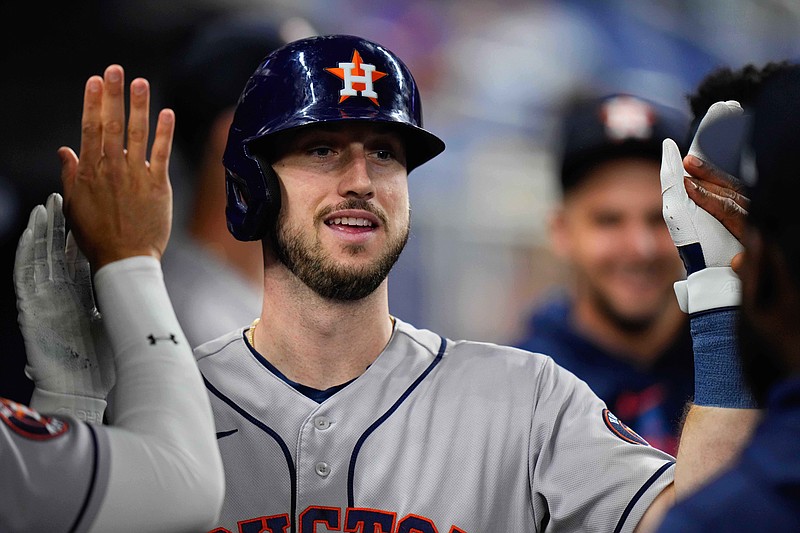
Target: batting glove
pixel 705 246
pixel 69 357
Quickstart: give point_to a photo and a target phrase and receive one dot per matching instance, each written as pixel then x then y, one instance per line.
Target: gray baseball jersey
pixel 71 455
pixel 435 436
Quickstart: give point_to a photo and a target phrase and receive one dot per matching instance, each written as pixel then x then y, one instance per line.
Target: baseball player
pixel 614 322
pixel 158 467
pixel 333 415
pixel 760 491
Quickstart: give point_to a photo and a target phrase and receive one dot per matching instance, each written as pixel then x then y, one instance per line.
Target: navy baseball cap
pixel 764 143
pixel 599 129
pixel 207 75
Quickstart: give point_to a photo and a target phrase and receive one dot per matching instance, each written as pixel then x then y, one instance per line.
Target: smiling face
pixel 612 232
pixel 345 213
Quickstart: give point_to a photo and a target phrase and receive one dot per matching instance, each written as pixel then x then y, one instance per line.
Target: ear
pixel 559 233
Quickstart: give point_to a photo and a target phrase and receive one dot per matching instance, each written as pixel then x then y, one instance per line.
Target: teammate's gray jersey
pixel 436 435
pixel 70 455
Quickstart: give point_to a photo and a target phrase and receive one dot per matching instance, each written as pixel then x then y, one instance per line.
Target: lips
pixel 352 220
pixel 349 221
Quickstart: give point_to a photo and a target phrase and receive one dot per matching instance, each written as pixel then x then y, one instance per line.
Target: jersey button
pixel 322 469
pixel 322 423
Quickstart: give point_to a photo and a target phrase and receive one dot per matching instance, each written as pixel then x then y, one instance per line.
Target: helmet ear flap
pixel 272 204
pixel 238 206
pixel 249 217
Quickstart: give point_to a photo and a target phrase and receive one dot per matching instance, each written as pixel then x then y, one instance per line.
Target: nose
pixel 644 240
pixel 356 180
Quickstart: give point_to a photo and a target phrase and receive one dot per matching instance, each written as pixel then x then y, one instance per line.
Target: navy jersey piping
pixel 92 482
pixel 383 418
pixel 311 393
pixel 269 431
pixel 639 494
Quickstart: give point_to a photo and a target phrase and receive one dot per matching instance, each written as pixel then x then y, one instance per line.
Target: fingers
pixel 23 263
pixel 79 272
pixel 720 109
pixel 162 145
pixel 724 192
pixel 730 213
pixel 69 168
pixel 716 111
pixel 77 264
pixel 139 122
pixel 117 202
pixel 91 122
pixel 103 141
pixel 56 239
pixel 671 166
pixel 113 113
pixel 676 207
pixel 708 172
pixel 37 223
pixel 716 191
pixel 696 162
pixel 736 263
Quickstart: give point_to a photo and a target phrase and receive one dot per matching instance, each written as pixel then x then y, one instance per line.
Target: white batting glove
pixel 703 243
pixel 69 357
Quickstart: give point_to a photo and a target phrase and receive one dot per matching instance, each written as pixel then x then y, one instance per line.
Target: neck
pixel 641 347
pixel 316 341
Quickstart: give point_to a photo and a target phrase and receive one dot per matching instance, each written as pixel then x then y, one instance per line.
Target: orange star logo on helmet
pixel 358 78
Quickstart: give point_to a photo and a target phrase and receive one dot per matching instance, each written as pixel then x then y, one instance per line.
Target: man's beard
pixel 305 258
pixel 628 324
pixel 761 365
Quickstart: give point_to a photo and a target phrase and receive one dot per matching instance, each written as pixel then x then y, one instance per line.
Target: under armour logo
pixel 153 339
pixel 358 79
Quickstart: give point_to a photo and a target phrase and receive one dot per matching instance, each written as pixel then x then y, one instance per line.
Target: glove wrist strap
pixel 81 407
pixel 710 288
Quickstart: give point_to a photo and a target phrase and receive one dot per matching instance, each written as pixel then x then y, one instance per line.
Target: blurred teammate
pixel 331 413
pixel 762 489
pixel 616 324
pixel 158 468
pixel 214 281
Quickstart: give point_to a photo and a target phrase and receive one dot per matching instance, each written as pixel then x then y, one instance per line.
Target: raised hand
pixel 118 203
pixel 68 356
pixel 701 239
pixel 706 246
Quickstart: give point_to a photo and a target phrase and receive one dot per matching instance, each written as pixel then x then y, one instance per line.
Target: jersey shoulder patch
pixel 28 423
pixel 621 430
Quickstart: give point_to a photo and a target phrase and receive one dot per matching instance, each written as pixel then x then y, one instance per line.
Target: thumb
pixel 69 167
pixel 716 111
pixel 676 206
pixel 671 167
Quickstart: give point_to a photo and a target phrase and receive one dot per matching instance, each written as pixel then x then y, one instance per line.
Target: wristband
pixel 718 376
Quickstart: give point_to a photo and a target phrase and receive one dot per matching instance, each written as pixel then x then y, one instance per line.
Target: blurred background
pixel 493 76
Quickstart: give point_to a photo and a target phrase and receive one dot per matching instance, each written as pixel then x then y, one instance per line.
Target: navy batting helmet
pixel 316 80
